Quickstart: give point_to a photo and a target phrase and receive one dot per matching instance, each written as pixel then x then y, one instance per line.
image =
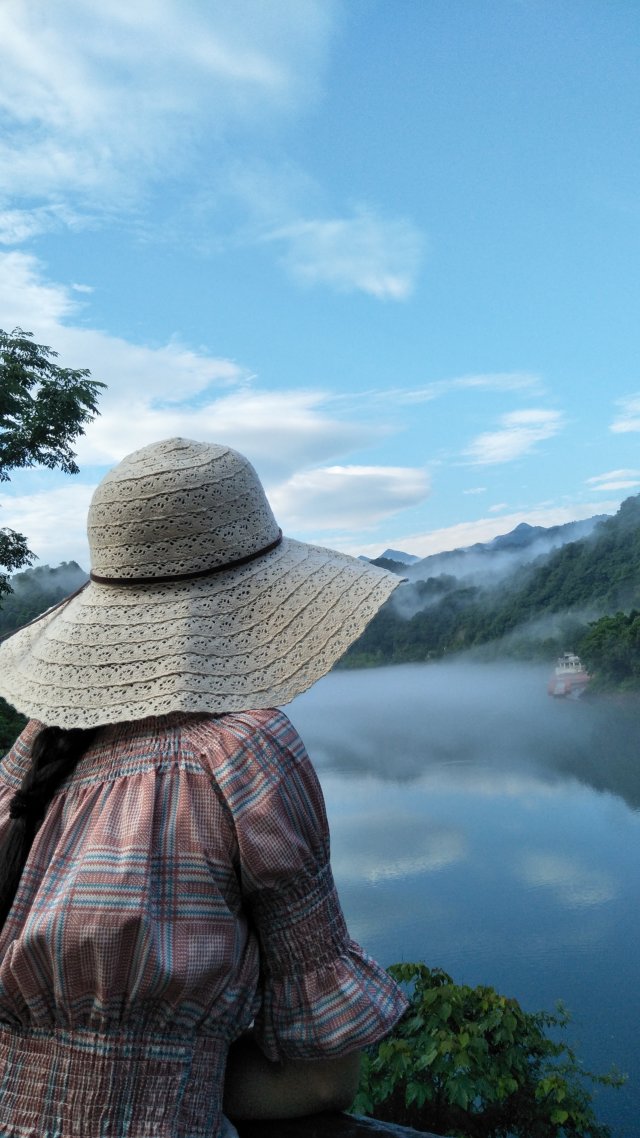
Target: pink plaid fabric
pixel 178 891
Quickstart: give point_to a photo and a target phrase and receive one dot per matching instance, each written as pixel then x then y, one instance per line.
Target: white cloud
pixel 623 473
pixel 100 103
pixel 618 485
pixel 97 98
pixel 629 416
pixel 29 301
pixel 364 253
pixel 476 490
pixel 497 381
pixel 18 225
pixel 615 480
pixel 517 435
pixel 157 392
pixel 277 430
pixel 53 521
pixel 498 508
pixel 360 251
pixel 493 381
pixel 138 377
pixel 341 497
pixel 273 193
pixel 463 534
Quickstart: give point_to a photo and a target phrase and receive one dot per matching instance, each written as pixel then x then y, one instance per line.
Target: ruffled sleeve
pixel 321 994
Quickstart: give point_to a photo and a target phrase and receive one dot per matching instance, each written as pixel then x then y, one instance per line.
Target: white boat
pixel 569 678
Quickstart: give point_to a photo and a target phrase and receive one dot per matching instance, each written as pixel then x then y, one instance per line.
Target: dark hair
pixel 55 752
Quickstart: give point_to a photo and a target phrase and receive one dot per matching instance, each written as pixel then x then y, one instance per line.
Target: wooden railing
pixel 328 1126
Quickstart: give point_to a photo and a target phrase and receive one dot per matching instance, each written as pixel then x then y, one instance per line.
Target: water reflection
pixel 483 827
pixel 574 885
pixel 375 847
pixel 397 723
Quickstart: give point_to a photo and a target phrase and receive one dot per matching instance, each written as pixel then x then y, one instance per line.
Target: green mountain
pixel 542 608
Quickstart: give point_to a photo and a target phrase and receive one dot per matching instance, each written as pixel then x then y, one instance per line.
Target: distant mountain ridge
pixel 399 556
pixel 525 542
pixel 532 593
pixel 524 534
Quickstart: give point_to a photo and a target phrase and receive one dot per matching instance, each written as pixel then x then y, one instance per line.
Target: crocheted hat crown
pixel 176 508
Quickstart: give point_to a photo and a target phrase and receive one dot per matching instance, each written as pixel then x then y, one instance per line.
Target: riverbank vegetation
pixel 583 597
pixel 469 1062
pixel 610 649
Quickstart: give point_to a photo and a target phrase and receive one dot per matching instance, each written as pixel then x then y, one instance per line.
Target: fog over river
pixel 483 827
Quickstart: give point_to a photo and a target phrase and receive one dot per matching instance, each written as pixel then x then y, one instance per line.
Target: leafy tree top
pixel 43 407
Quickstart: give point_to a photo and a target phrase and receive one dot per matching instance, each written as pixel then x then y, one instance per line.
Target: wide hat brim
pixel 245 638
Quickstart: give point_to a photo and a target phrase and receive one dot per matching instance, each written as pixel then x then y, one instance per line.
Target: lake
pixel 488 829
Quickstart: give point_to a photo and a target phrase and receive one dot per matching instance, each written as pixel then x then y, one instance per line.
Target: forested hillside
pixel 35 590
pixel 544 608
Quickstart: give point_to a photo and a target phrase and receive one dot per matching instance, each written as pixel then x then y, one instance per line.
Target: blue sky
pixel 389 249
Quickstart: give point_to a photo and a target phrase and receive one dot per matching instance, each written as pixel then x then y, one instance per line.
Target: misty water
pixel 488 829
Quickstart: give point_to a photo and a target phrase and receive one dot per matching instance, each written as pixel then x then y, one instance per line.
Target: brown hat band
pixel 189 576
pixel 120 581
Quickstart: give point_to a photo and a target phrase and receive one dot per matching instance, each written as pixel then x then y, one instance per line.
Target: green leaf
pixel 463 1053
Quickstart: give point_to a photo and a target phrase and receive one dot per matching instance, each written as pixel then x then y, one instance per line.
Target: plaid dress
pixel 178 891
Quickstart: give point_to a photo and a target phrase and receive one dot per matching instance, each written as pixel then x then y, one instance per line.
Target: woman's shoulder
pixel 260 744
pixel 261 729
pixel 253 747
pixel 252 755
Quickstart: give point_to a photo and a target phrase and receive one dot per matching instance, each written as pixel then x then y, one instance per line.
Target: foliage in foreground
pixel 470 1062
pixel 43 409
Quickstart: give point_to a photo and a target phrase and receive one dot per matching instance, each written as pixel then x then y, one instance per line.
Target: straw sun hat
pixel 196 601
